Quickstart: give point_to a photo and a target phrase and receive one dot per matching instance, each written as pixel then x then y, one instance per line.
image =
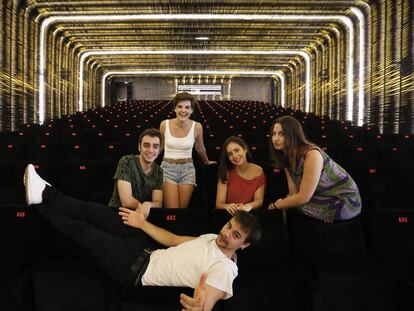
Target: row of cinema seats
pixel 381 187
pixel 93 181
pixel 73 148
pixel 298 265
pixel 85 180
pixel 118 119
pixel 342 152
pixel 94 126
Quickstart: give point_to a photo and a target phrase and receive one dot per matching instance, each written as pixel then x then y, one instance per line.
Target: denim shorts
pixel 179 173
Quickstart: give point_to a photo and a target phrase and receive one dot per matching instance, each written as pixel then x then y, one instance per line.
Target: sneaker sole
pixel 26 182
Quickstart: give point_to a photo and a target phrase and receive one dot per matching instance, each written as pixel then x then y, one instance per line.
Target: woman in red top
pixel 241 184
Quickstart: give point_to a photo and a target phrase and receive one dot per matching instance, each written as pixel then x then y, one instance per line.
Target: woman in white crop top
pixel 180 134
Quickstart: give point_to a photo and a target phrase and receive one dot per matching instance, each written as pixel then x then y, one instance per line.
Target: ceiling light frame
pixel 346 21
pixel 278 74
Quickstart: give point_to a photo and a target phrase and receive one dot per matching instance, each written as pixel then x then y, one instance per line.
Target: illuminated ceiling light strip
pixel 207 72
pixel 330 72
pixel 42 57
pixel 307 81
pixel 337 95
pixel 350 72
pixel 361 101
pixel 172 17
pixel 105 18
pixel 186 52
pixel 282 89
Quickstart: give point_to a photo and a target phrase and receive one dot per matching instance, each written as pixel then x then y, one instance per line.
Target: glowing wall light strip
pixel 193 72
pixel 361 102
pixel 282 88
pixel 330 71
pixel 338 35
pixel 186 52
pixel 169 17
pixel 350 73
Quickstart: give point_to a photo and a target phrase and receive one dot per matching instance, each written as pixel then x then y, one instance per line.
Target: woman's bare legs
pixel 177 196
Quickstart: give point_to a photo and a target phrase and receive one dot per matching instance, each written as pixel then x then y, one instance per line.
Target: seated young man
pixel 138 178
pixel 118 244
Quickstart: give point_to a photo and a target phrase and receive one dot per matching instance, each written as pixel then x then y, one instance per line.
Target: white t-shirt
pixel 182 265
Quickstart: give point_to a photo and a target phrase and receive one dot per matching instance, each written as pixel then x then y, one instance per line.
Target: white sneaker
pixel 34 185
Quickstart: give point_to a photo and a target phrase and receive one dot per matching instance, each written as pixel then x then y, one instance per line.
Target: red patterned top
pixel 240 190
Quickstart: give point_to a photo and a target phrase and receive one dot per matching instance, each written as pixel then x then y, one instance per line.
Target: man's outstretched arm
pixel 136 219
pixel 204 298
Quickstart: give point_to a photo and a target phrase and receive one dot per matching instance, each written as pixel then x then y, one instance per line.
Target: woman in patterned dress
pixel 318 186
pixel 241 184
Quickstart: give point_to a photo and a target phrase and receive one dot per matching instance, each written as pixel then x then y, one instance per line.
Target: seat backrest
pixel 389 233
pixel 315 242
pixel 191 222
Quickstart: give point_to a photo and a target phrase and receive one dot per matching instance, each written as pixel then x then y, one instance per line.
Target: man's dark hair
pixel 184 96
pixel 250 224
pixel 152 132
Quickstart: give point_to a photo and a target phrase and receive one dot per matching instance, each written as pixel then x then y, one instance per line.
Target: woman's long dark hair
pixel 225 165
pixel 295 142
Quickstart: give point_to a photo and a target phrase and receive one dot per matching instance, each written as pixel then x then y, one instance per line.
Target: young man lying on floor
pixel 118 243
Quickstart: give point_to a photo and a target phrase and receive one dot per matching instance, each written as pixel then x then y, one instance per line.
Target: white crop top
pixel 176 147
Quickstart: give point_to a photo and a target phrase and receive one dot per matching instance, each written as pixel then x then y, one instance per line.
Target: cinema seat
pixel 13 150
pixel 73 152
pixel 360 155
pixel 389 241
pixel 378 184
pixel 397 155
pixel 355 286
pixel 404 181
pixel 276 184
pixel 45 152
pixel 315 242
pixel 81 179
pixel 191 222
pixel 80 284
pixel 8 193
pixel 389 235
pixel 107 151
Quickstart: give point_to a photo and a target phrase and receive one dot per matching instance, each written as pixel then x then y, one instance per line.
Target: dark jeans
pixel 99 230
